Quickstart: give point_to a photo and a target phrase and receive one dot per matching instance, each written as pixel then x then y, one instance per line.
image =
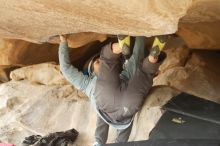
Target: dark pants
pixel 120 93
pixel 101 133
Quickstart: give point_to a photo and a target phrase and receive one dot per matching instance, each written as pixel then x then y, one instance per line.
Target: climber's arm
pixel 72 74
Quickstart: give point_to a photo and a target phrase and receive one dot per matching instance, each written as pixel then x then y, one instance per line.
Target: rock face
pixel 47 106
pixel 41 109
pixel 39 100
pixel 199 75
pixel 201 35
pixel 5 71
pixel 18 52
pixel 38 20
pixel 46 73
pixel 200 26
pixel 203 11
pixel 80 39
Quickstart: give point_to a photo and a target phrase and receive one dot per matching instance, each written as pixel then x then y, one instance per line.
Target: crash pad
pixel 182 142
pixel 177 126
pixel 193 106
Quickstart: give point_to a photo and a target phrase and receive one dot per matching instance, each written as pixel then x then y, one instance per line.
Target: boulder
pixel 55 105
pixel 146 119
pixel 200 26
pixel 203 11
pixel 80 39
pixel 5 72
pixel 45 73
pixel 39 100
pixel 40 21
pixel 177 53
pixel 201 35
pixel 199 76
pixel 37 21
pixel 42 109
pixel 21 53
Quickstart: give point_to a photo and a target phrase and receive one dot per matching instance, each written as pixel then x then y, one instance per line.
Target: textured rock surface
pixel 200 26
pixel 203 11
pixel 41 20
pixel 201 35
pixel 43 109
pixel 80 39
pixel 177 53
pixel 198 76
pixel 39 100
pixel 38 20
pixel 5 71
pixel 18 52
pixel 46 73
pixel 151 111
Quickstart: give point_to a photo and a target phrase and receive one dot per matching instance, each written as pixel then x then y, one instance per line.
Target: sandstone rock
pixel 201 35
pixel 177 54
pixel 5 72
pixel 43 109
pixel 46 73
pixel 36 21
pixel 172 77
pixel 53 104
pixel 200 26
pixel 80 39
pixel 18 52
pixel 203 11
pixel 40 109
pixel 200 76
pixel 151 111
pixel 21 53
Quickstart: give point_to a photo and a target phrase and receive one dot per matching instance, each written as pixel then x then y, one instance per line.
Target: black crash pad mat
pixel 166 142
pixel 176 126
pixel 193 106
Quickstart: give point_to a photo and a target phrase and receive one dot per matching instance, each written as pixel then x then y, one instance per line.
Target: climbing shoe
pixel 124 44
pixel 158 45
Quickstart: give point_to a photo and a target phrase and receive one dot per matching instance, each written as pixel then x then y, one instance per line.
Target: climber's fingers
pixel 63 38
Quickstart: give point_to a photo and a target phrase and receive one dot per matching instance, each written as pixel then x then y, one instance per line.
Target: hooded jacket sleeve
pixel 72 74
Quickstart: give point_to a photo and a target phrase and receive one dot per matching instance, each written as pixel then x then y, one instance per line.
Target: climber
pixel 117 91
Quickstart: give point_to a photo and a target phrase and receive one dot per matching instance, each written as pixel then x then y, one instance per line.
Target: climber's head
pixel 92 65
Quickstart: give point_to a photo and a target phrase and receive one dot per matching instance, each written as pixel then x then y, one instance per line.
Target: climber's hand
pixel 63 38
pixel 116 49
